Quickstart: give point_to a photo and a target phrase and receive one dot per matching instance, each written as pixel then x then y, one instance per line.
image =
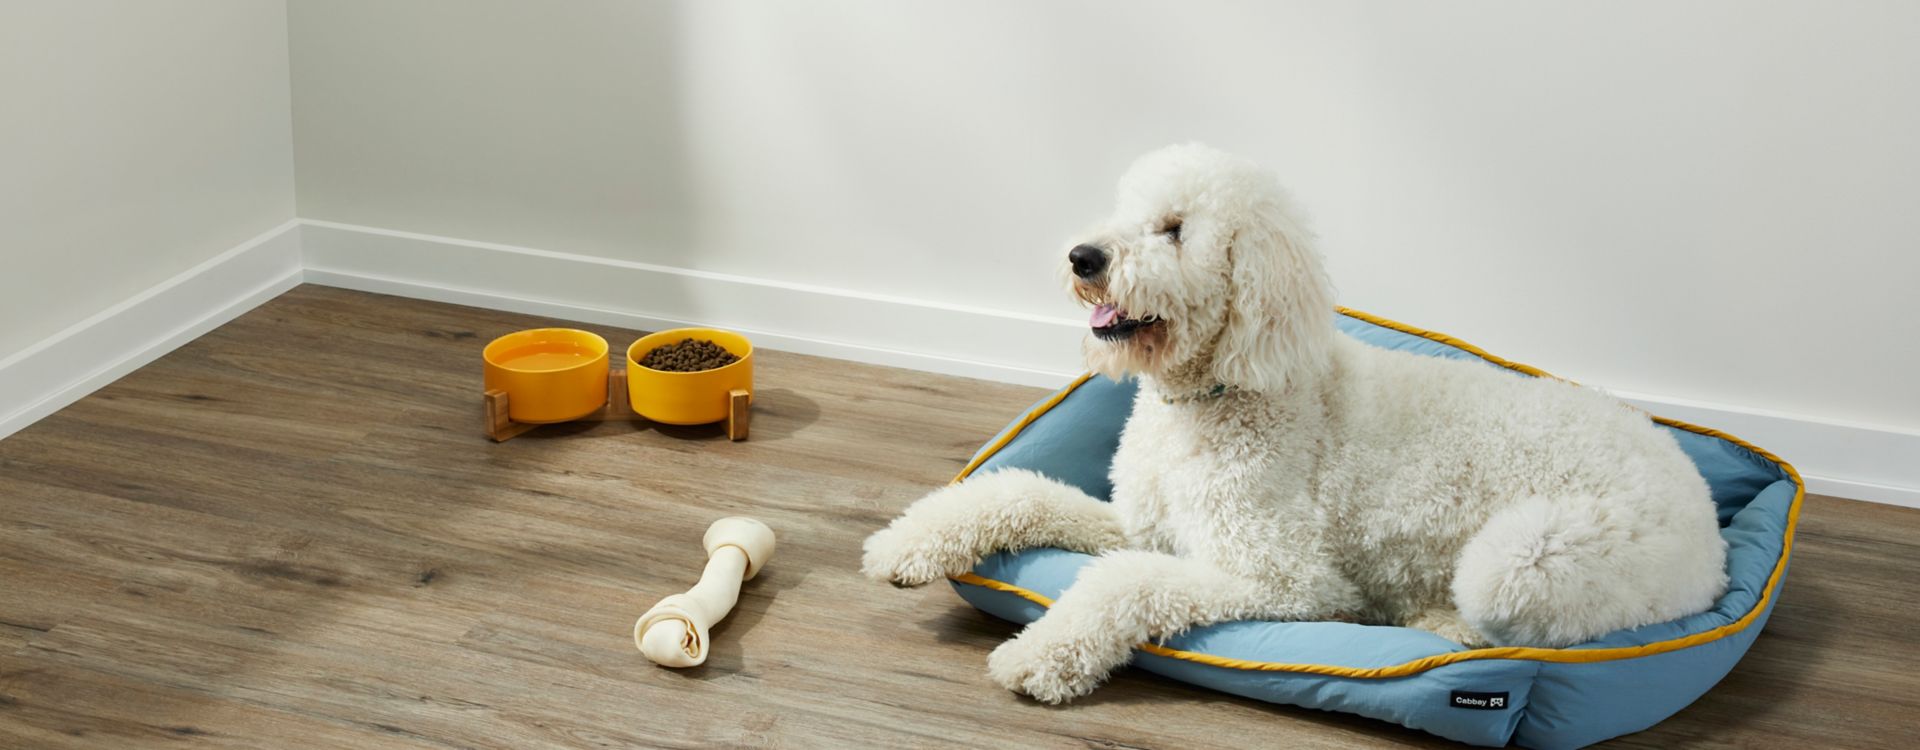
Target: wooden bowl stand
pixel 501 427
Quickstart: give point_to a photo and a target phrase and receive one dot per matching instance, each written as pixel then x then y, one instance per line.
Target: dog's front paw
pixel 1050 671
pixel 902 558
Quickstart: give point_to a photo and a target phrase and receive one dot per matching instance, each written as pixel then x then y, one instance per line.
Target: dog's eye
pixel 1172 229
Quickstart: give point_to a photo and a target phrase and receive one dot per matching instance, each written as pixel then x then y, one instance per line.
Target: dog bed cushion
pixel 1622 682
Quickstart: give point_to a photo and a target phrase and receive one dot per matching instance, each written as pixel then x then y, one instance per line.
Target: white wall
pixel 1710 201
pixel 137 139
pixel 1708 205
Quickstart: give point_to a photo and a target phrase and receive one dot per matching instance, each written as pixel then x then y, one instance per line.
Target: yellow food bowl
pixel 549 374
pixel 688 397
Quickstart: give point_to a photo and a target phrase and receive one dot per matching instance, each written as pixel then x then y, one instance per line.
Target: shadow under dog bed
pixel 1622 682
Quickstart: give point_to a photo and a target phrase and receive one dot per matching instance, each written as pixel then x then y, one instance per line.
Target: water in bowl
pixel 546 355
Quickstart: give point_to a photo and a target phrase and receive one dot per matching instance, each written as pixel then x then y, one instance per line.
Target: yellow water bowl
pixel 549 374
pixel 688 397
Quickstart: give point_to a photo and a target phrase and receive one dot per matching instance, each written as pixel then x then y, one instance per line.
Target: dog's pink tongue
pixel 1104 315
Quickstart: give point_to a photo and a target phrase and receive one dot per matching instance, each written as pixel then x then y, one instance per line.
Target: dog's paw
pixel 1049 671
pixel 1448 624
pixel 897 556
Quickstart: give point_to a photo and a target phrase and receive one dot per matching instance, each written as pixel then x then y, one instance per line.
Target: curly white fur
pixel 1275 469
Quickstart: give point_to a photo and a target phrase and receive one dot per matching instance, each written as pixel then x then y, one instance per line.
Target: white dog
pixel 1273 468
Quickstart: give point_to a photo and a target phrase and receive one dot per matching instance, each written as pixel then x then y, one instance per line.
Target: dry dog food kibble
pixel 688 356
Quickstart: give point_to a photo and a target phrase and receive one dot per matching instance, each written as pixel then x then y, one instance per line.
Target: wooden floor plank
pixel 292 532
pixel 51 707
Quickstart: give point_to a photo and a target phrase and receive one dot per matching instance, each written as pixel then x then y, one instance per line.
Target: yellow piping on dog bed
pixel 1526 653
pixel 1042 408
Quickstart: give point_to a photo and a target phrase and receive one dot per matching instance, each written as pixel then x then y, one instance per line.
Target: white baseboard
pixel 68 365
pixel 1864 462
pixel 862 327
pixel 1861 462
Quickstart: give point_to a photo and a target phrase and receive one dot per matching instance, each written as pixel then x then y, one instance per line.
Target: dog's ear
pixel 1279 324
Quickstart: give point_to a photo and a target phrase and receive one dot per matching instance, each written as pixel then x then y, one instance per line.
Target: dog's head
pixel 1203 276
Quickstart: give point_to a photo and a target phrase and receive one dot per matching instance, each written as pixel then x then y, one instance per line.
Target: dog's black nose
pixel 1088 261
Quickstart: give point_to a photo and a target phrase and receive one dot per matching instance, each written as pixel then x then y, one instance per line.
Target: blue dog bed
pixel 1623 682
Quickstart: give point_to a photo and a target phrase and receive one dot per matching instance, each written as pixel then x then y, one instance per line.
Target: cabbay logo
pixel 1478 701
